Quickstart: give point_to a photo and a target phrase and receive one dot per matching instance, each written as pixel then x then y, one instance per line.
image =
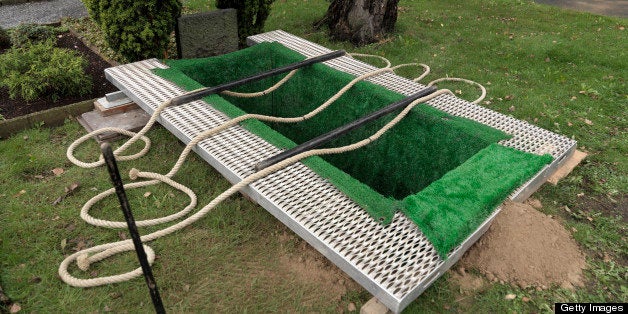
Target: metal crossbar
pixel 395 263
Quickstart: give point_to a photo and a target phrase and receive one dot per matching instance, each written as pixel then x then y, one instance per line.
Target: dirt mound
pixel 528 248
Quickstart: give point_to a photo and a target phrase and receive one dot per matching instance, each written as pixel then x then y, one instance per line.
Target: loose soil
pixel 11 108
pixel 527 248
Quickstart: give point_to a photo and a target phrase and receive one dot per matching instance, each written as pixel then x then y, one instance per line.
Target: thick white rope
pixel 101 252
pixel 106 250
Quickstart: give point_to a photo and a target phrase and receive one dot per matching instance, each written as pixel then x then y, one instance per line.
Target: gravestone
pixel 207 34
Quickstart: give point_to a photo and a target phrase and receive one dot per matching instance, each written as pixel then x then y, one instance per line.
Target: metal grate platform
pixel 395 263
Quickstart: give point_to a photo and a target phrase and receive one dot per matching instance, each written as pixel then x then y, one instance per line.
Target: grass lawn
pixel 561 70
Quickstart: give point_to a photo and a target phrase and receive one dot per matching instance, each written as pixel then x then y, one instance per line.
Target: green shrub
pixel 252 15
pixel 42 69
pixel 26 34
pixel 5 40
pixel 136 29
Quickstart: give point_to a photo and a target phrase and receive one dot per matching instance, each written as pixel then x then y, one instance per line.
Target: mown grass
pixel 563 71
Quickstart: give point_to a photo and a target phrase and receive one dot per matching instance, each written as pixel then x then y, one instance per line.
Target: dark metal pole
pixel 317 141
pixel 137 242
pixel 256 77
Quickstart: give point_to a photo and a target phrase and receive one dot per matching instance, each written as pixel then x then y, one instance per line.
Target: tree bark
pixel 360 21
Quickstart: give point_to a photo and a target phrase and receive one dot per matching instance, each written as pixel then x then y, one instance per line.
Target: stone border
pixel 50 117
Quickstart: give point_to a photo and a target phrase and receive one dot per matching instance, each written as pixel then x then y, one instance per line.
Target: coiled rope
pixel 100 252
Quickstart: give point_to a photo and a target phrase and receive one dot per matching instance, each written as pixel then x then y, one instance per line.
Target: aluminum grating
pixel 526 137
pixel 395 262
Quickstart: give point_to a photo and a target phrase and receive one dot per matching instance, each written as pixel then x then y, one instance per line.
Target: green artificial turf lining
pixel 454 206
pixel 422 148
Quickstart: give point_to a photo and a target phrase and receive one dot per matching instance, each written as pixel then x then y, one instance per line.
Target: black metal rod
pixel 319 140
pixel 256 77
pixel 128 215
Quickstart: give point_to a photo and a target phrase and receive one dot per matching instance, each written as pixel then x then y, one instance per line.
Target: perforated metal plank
pixel 395 263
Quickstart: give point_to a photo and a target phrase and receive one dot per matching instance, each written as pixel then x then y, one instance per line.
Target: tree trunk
pixel 360 21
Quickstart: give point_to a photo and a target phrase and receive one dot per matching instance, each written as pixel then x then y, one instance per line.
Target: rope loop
pixel 89 256
pixel 388 64
pixel 101 160
pixel 457 79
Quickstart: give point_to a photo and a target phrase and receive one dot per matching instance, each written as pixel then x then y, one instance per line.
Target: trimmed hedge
pixel 136 29
pixel 28 34
pixel 41 69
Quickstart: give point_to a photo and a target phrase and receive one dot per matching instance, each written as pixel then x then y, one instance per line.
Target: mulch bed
pixel 11 108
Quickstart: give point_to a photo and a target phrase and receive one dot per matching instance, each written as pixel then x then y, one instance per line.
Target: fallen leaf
pixel 80 246
pixel 20 193
pixel 351 307
pixel 589 218
pixel 122 235
pixel 14 308
pixel 580 194
pixel 525 299
pixel 511 109
pixel 64 243
pixel 68 191
pixel 510 296
pixel 186 287
pixel 35 280
pixel 39 176
pixel 57 201
pixel 587 121
pixel 569 123
pixel 458 91
pixel 107 308
pixel 58 171
pixel 115 295
pixel 509 97
pixel 147 194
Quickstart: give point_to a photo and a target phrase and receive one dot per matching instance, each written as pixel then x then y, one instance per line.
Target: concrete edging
pixel 51 117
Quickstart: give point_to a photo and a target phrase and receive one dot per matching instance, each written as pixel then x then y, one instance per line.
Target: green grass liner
pixel 379 207
pixel 451 208
pixel 376 177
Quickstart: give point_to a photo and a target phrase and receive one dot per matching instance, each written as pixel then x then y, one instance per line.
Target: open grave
pixel 394 215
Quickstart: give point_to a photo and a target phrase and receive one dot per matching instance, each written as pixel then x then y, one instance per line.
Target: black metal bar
pixel 128 215
pixel 256 77
pixel 319 140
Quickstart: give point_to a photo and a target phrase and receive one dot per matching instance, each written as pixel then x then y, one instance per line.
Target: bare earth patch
pixel 308 266
pixel 528 248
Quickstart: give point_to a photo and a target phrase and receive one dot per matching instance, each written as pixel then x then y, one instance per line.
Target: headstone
pixel 207 34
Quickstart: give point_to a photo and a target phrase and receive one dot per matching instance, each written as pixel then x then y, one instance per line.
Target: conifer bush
pixel 252 15
pixel 41 69
pixel 136 29
pixel 27 34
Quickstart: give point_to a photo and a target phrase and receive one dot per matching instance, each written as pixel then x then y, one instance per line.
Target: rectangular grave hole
pixel 416 152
